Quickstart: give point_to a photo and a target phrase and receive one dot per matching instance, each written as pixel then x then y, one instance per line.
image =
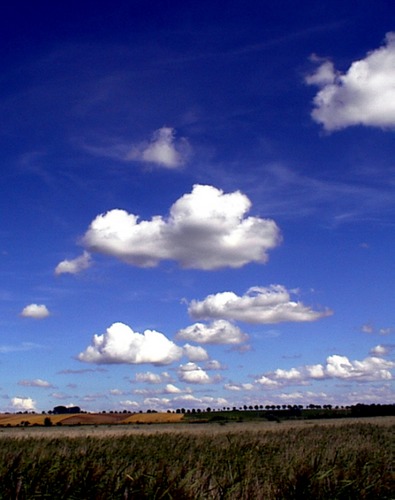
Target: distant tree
pixel 47 422
pixel 208 410
pixel 256 407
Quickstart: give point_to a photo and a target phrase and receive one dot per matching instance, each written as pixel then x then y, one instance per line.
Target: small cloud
pixel 193 374
pixel 35 383
pixel 163 150
pixel 23 404
pixel 116 392
pixel 172 389
pixel 149 378
pixel 218 332
pixel 364 95
pixel 129 404
pixel 120 344
pixel 35 311
pixel 381 350
pixel 195 353
pixel 259 305
pixel 74 266
pixel 367 328
pixel 213 364
pixel 238 387
pixel 385 331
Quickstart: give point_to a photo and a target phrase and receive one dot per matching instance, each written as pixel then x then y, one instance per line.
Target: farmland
pixel 329 459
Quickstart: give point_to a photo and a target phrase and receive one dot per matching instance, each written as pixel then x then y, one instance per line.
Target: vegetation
pixel 344 461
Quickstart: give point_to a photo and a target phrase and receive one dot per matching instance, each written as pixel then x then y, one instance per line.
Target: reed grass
pixel 354 461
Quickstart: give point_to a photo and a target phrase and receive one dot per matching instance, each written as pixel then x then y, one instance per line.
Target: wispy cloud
pixel 74 266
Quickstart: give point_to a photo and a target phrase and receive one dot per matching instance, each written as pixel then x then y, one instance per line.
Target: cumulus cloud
pixel 193 374
pixel 74 266
pixel 206 229
pixel 372 368
pixel 120 344
pixel 364 95
pixel 218 332
pixel 195 353
pixel 35 311
pixel 38 382
pixel 259 305
pixel 23 404
pixel 163 150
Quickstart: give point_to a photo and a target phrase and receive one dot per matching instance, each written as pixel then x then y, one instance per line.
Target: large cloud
pixel 163 150
pixel 74 266
pixel 206 229
pixel 364 95
pixel 120 344
pixel 218 332
pixel 372 368
pixel 259 305
pixel 35 311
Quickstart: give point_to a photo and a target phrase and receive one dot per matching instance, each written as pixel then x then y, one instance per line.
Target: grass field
pixel 342 459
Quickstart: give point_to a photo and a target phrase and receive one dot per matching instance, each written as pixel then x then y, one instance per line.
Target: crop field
pixel 351 459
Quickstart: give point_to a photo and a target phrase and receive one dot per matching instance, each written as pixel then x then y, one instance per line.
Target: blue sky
pixel 197 204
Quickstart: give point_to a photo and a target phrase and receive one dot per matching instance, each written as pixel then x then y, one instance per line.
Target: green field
pixel 341 460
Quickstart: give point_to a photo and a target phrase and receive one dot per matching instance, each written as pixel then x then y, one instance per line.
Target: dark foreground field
pixel 351 460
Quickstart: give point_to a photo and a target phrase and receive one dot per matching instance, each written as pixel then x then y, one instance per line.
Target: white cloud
pixel 364 95
pixel 372 368
pixel 127 403
pixel 381 350
pixel 214 364
pixel 218 332
pixel 367 328
pixel 195 353
pixel 35 311
pixel 74 266
pixel 120 344
pixel 35 383
pixel 116 392
pixel 23 404
pixel 206 229
pixel 148 377
pixel 193 374
pixel 238 387
pixel 259 305
pixel 172 389
pixel 163 150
